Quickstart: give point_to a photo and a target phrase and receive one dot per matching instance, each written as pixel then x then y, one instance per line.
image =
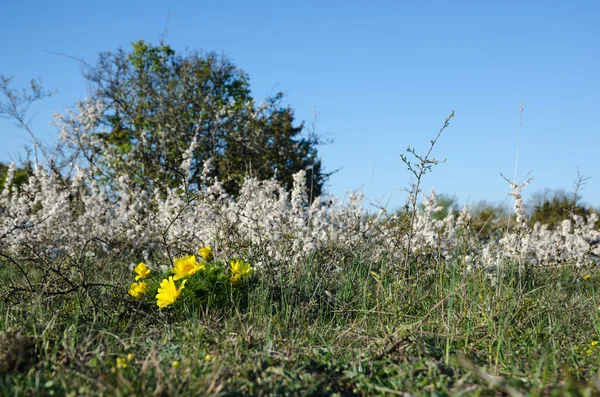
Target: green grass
pixel 359 331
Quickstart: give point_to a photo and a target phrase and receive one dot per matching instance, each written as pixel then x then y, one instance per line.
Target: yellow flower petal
pixel 239 270
pixel 185 267
pixel 206 253
pixel 138 290
pixel 168 292
pixel 142 271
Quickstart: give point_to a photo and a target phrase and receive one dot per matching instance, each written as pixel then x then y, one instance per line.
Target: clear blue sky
pixel 383 75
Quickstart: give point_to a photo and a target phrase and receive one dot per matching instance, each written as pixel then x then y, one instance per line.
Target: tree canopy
pixel 152 110
pixel 552 207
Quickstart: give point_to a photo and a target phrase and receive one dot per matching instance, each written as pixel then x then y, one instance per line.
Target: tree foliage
pixel 446 203
pixel 551 208
pixel 156 109
pixel 490 220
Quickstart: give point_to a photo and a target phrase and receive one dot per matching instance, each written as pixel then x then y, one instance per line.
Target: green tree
pixel 552 207
pixel 447 202
pixel 153 103
pixel 490 220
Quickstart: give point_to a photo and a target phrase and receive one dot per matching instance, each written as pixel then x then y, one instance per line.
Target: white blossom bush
pixel 277 228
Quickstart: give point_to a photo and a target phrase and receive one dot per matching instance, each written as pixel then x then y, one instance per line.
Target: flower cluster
pixel 592 347
pixel 139 289
pixel 122 362
pixel 168 292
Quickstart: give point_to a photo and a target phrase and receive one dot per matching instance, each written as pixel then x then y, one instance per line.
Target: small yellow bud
pixel 207 357
pixel 175 364
pixel 206 253
pixel 130 357
pixel 121 362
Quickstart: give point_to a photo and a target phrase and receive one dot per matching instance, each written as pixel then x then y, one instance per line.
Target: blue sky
pixel 382 75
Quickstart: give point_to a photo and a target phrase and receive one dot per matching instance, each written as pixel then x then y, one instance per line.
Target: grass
pixel 359 331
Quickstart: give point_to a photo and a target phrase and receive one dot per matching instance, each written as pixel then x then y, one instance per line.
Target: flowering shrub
pixel 53 217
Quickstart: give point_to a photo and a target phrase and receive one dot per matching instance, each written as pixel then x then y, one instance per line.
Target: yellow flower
pixel 121 362
pixel 587 277
pixel 168 293
pixel 142 271
pixel 175 364
pixel 207 357
pixel 130 357
pixel 138 290
pixel 185 267
pixel 594 343
pixel 206 253
pixel 589 351
pixel 239 271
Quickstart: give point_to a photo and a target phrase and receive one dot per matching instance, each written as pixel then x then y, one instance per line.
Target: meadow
pixel 277 294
